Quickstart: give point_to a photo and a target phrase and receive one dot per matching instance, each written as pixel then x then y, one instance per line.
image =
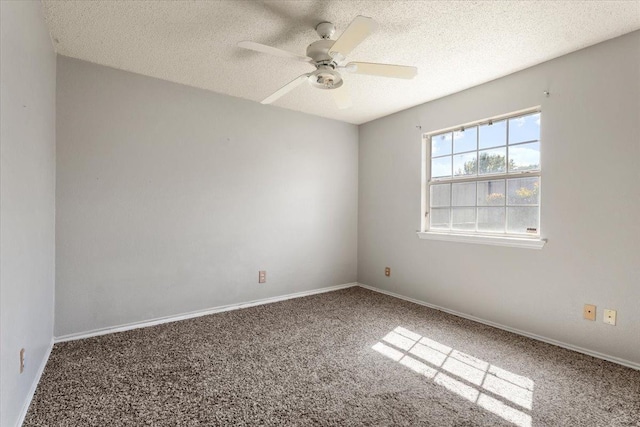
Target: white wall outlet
pixel 609 317
pixel 22 359
pixel 262 276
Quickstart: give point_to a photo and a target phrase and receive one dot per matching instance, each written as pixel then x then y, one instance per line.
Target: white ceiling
pixel 454 44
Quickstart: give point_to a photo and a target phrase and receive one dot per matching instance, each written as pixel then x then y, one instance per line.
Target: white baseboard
pixel 167 319
pixel 34 386
pixel 588 352
pixel 190 315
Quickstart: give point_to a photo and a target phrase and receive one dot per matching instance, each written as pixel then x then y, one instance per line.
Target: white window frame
pixel 498 239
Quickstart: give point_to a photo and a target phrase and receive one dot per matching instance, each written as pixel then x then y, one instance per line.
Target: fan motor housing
pixel 319 51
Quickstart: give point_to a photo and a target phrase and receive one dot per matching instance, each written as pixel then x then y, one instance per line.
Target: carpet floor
pixel 346 358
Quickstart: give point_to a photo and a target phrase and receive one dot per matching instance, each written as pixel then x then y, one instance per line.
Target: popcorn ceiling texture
pixel 455 45
pixel 309 361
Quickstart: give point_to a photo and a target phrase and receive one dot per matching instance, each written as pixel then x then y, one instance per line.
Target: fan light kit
pixel 329 58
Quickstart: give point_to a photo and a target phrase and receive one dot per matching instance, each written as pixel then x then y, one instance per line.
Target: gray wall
pixel 27 197
pixel 170 199
pixel 590 204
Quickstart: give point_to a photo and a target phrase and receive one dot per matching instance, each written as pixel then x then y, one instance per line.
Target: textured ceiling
pixel 454 44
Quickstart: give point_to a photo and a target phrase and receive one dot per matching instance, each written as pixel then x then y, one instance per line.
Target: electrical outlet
pixel 387 271
pixel 609 317
pixel 22 358
pixel 589 312
pixel 262 276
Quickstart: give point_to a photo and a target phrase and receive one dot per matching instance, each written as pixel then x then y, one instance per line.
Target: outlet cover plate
pixel 609 317
pixel 387 271
pixel 589 312
pixel 262 276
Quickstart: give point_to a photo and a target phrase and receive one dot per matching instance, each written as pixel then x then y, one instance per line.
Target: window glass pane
pixel 525 128
pixel 524 157
pixel 495 198
pixel 523 220
pixel 440 195
pixel 463 218
pixel 464 164
pixel 466 140
pixel 441 144
pixel 523 191
pixel 491 219
pixel 493 161
pixel 440 218
pixel 464 194
pixel 441 167
pixel 493 135
pixel 491 193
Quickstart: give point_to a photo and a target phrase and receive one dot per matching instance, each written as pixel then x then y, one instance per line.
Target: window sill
pixel 516 242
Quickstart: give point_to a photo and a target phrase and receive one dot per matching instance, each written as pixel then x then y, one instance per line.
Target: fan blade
pixel 359 29
pixel 272 51
pixel 384 70
pixel 285 89
pixel 341 97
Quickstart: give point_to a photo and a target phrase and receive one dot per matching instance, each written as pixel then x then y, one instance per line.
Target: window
pixel 485 178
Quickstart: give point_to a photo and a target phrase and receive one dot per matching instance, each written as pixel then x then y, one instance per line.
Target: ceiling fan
pixel 329 58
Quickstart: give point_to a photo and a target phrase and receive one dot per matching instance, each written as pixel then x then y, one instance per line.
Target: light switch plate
pixel 589 312
pixel 609 317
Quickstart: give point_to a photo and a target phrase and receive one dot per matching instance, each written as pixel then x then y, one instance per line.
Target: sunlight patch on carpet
pixel 501 392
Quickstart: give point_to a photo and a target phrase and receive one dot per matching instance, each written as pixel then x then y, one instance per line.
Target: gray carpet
pixel 346 358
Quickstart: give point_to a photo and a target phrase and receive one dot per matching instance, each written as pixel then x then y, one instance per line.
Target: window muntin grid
pixel 485 177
